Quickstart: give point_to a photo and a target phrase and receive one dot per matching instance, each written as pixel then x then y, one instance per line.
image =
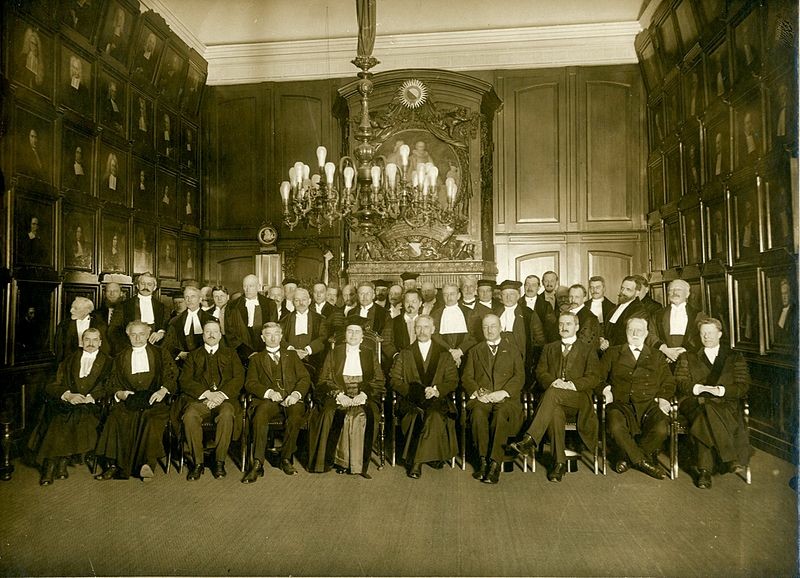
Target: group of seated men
pixel 292 346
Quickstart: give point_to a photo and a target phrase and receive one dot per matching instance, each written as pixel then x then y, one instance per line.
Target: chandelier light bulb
pixel 349 173
pixel 330 170
pixel 322 154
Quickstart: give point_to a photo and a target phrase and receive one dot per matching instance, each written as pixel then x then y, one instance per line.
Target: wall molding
pixel 514 48
pixel 184 33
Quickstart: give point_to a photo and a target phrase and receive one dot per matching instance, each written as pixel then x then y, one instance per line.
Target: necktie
pixel 213 370
pixel 564 354
pixel 493 349
pixel 636 352
pixel 275 357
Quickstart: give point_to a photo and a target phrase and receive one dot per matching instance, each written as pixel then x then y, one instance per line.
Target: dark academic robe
pixel 494 421
pixel 327 419
pixel 66 342
pixel 581 367
pixel 131 312
pixel 65 429
pixel 616 332
pixel 650 305
pixel 608 307
pixel 428 424
pixel 547 316
pixel 659 329
pixel 327 309
pixel 715 422
pixel 290 374
pixel 133 433
pixel 589 331
pixel 117 339
pixel 177 341
pixel 247 340
pixel 527 335
pixel 316 338
pixel 376 317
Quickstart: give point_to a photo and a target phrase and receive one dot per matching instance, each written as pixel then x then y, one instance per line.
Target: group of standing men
pixel 293 346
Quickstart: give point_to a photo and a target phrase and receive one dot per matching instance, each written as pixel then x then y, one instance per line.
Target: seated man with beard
pixel 423 375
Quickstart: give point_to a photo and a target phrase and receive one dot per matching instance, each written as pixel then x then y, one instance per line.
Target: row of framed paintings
pixel 99 241
pixel 63 155
pixel 756 305
pixel 92 42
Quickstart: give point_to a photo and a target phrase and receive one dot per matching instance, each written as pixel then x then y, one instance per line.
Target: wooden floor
pixel 446 523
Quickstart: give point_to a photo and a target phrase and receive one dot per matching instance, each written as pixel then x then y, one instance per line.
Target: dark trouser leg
pixel 264 412
pixel 705 456
pixel 543 417
pixel 479 422
pixel 193 429
pixel 655 429
pixel 294 420
pixel 505 422
pixel 224 420
pixel 151 445
pixel 620 432
pixel 558 422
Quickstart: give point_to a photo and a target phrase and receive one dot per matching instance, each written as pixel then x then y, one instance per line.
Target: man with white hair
pixel 142 378
pixel 246 316
pixel 306 331
pixel 143 307
pixel 469 292
pixel 374 314
pixel 455 324
pixel 673 329
pixel 70 331
pixel 185 333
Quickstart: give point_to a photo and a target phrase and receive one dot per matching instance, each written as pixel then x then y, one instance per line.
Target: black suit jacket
pixel 637 381
pixel 67 377
pixel 247 340
pixel 327 309
pixel 503 371
pixel 376 317
pixel 608 307
pixel 527 334
pixel 659 328
pixel 261 375
pixel 589 331
pixel 195 376
pixel 583 367
pixel 117 338
pixel 316 338
pixel 394 338
pixel 131 312
pixel 176 340
pixel 615 332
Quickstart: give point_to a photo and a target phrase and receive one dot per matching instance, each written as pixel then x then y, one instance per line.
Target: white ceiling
pixel 229 22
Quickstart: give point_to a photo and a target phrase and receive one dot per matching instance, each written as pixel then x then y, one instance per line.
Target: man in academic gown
pixel 71 415
pixel 111 312
pixel 278 382
pixel 185 333
pixel 306 331
pixel 637 398
pixel 144 307
pixel 211 379
pixel 457 327
pixel 673 329
pixel 347 399
pixel 142 378
pixel 712 381
pixel 492 379
pixel 521 325
pixel 423 375
pixel 599 304
pixel 569 371
pixel 628 305
pixel 375 315
pixel 245 317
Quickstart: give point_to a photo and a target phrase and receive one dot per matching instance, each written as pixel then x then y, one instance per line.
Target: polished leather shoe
pixel 621 466
pixel 77 460
pixel 525 446
pixel 109 473
pixel 703 479
pixel 146 473
pixel 557 473
pixel 61 469
pixel 195 473
pixel 48 468
pixel 651 469
pixel 415 471
pixel 492 474
pixel 480 473
pixel 218 471
pixel 734 468
pixel 256 470
pixel 288 468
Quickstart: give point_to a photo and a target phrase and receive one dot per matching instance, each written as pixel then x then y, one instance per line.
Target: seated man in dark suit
pixel 569 371
pixel 348 397
pixel 211 379
pixel 142 378
pixel 143 307
pixel 711 383
pixel 424 374
pixel 245 317
pixel 638 394
pixel 628 305
pixel 70 331
pixel 72 415
pixel 492 379
pixel 278 381
pixel 185 332
pixel 306 331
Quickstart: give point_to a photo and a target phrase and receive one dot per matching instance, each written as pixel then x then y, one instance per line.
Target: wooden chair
pixel 209 427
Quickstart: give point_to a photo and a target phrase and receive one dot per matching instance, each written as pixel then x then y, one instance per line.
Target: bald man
pixel 246 316
pixel 674 328
pixel 143 307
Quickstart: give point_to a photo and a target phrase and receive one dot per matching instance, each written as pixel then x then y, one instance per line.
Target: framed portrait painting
pixel 112 102
pixel 782 113
pixel 116 31
pixel 31 59
pixel 694 90
pixel 146 54
pixel 190 263
pixel 749 129
pixel 780 285
pixel 656 182
pixel 141 123
pixel 144 247
pixel 192 93
pixel 114 246
pixel 189 143
pixel 33 146
pixel 718 147
pixel 34 320
pixel 172 75
pixel 746 219
pixel 746 313
pixel 693 234
pixel 77 158
pixel 777 194
pixel 717 303
pixel 717 227
pixel 80 15
pixel 747 46
pixel 143 185
pixel 167 254
pixel 674 182
pixel 167 134
pixel 190 198
pixel 167 195
pixel 687 23
pixel 719 75
pixel 79 235
pixel 672 232
pixel 34 226
pixel 76 81
pixel 692 169
pixel 657 248
pixel 112 183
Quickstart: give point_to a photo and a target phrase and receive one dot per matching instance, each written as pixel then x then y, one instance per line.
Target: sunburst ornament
pixel 413 93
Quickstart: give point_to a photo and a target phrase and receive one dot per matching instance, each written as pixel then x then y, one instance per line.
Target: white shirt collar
pixel 211 348
pixel 424 348
pixel 577 308
pixel 570 340
pixel 679 305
